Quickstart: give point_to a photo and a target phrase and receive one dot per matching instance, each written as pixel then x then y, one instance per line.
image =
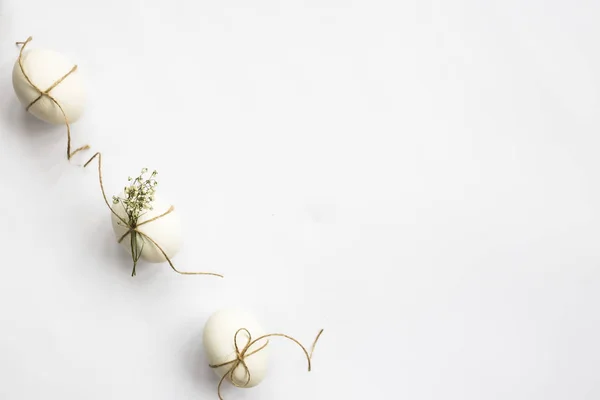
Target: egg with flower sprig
pixel 147 227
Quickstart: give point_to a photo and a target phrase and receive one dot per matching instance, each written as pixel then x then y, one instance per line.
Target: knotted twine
pixel 46 93
pixel 133 228
pixel 241 355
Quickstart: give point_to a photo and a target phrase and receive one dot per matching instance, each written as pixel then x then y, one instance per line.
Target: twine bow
pixel 134 231
pixel 46 93
pixel 242 354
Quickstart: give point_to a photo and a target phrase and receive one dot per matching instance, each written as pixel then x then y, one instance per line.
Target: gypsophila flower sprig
pixel 139 195
pixel 137 200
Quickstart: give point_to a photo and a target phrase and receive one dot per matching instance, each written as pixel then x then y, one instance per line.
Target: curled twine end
pixel 133 230
pixel 241 355
pixel 46 93
pixel 29 39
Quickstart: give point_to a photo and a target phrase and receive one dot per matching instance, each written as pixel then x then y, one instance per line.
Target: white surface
pixel 418 178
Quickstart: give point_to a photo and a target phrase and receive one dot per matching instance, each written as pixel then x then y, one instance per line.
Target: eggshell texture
pixel 166 231
pixel 44 68
pixel 219 333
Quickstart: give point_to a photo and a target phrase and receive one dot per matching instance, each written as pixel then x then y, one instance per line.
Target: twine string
pixel 241 355
pixel 133 228
pixel 46 93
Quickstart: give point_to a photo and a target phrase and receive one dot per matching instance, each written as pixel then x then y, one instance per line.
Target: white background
pixel 419 178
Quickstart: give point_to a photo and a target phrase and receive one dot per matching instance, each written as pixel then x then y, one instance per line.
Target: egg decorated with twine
pixel 48 85
pixel 147 227
pixel 223 330
pixel 237 348
pixel 154 228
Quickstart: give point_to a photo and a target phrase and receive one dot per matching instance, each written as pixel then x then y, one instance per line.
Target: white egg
pixel 165 231
pixel 219 333
pixel 44 68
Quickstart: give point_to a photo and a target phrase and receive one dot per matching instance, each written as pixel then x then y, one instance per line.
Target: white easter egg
pixel 165 231
pixel 44 68
pixel 218 340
